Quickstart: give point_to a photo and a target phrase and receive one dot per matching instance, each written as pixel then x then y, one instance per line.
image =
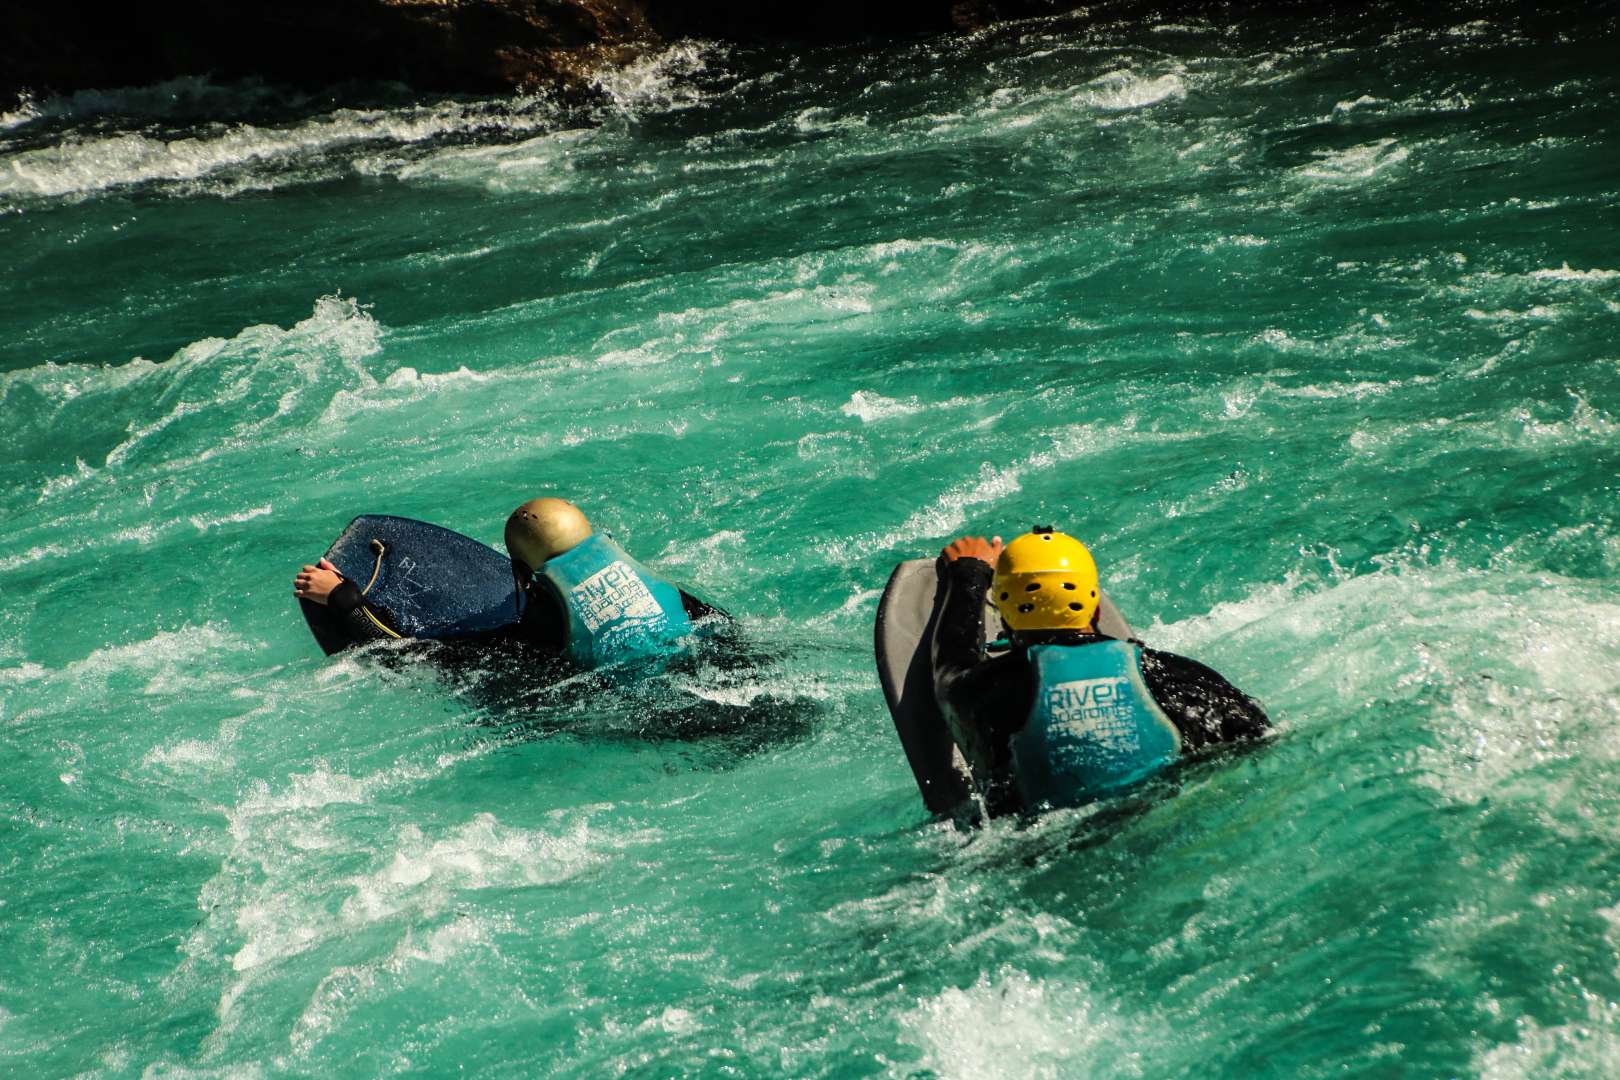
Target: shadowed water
pixel 1307 326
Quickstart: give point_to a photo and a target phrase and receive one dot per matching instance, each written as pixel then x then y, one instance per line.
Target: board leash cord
pixel 381 549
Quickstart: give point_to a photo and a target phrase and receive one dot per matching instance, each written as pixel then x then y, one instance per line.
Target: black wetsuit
pixel 520 674
pixel 544 624
pixel 986 701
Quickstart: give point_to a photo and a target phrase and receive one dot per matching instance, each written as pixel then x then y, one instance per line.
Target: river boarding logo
pixel 1099 711
pixel 613 594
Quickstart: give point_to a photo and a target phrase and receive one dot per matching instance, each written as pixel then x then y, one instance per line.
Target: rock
pixel 468 46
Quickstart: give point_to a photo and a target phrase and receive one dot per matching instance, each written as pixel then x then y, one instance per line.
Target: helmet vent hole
pixel 1074 607
pixel 1025 609
pixel 1093 592
pixel 1004 596
pixel 1069 585
pixel 1033 586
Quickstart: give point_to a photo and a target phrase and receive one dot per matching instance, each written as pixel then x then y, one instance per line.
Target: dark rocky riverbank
pixel 472 46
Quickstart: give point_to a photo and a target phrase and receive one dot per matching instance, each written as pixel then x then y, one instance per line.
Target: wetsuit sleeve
pixel 959 637
pixel 545 620
pixel 701 609
pixel 364 620
pixel 1208 709
pixel 983 701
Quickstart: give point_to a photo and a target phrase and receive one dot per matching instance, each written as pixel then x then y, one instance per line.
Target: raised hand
pixel 317 582
pixel 973 547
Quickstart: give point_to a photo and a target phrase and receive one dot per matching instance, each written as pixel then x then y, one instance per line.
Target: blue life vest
pixel 617 610
pixel 1094 726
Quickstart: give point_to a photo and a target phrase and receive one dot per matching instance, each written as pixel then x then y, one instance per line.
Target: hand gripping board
pixel 434 582
pixel 904 641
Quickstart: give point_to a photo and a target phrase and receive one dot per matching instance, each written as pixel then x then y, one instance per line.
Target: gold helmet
pixel 542 529
pixel 1045 580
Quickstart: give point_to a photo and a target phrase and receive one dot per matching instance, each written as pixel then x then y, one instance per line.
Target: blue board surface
pixel 436 583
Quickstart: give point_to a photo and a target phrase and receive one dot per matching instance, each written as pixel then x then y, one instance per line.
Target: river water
pixel 1309 327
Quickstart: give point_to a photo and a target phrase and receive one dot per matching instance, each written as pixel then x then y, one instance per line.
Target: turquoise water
pixel 1309 329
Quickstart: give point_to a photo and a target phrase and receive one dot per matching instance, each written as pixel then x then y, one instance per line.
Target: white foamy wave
pixel 347 987
pixel 1584 1049
pixel 424 874
pixel 1344 107
pixel 1356 164
pixel 703 332
pixel 312 790
pixel 338 324
pixel 661 81
pixel 331 343
pixel 1565 273
pixel 258 920
pixel 950 510
pixel 83 165
pixel 58 484
pixel 190 755
pixel 263 381
pixel 26 112
pixel 1378 638
pixel 821 120
pixel 1537 312
pixel 869 407
pixel 725 544
pixel 1242 240
pixel 858 607
pixel 186 664
pixel 543 164
pixel 169 650
pixel 24 672
pixel 204 523
pixel 1121 91
pixel 1352 110
pixel 35 554
pixel 1583 427
pixel 406 385
pixel 1020 1027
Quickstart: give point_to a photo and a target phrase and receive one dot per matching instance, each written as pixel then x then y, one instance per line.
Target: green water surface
pixel 1308 327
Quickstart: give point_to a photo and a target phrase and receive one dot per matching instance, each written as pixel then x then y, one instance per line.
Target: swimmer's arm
pixel 983 700
pixel 1208 709
pixel 959 635
pixel 366 621
pixel 322 584
pixel 985 705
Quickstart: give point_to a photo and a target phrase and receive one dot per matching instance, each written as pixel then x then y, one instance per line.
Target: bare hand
pixel 973 547
pixel 317 582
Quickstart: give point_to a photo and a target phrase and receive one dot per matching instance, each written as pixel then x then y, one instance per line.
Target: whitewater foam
pixel 246 156
pixel 665 80
pixel 1354 164
pixel 1015 1025
pixel 1125 91
pixel 869 407
pixel 994 483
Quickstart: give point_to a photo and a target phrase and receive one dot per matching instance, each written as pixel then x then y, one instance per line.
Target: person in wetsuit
pixel 1066 714
pixel 584 597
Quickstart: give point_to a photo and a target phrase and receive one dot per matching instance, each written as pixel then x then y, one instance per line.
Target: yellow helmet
pixel 1045 580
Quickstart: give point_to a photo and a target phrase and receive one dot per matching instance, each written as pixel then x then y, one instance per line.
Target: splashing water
pixel 1308 327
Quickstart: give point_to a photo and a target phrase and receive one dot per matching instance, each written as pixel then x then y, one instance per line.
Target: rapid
pixel 1308 325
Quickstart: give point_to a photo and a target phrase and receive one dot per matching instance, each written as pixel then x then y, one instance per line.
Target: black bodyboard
pixel 434 582
pixel 904 642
